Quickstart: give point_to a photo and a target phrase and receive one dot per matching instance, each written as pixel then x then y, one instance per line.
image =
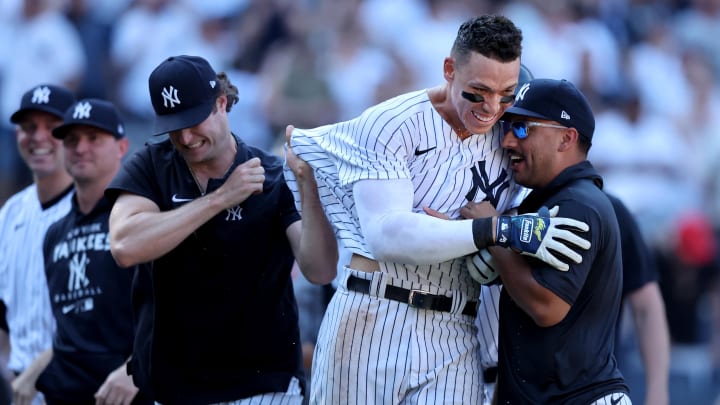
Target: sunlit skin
pixel 42 153
pixel 208 147
pixel 92 155
pixel 484 76
pixel 534 160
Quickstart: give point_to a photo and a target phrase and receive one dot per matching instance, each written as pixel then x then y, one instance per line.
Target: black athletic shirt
pixel 639 265
pixel 90 299
pixel 217 318
pixel 571 362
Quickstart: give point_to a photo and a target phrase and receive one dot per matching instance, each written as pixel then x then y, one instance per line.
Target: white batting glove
pixel 482 268
pixel 537 233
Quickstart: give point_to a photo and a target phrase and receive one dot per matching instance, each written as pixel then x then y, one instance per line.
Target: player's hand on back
pixel 542 235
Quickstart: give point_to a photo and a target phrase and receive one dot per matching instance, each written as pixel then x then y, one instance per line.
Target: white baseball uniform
pixel 23 287
pixel 370 349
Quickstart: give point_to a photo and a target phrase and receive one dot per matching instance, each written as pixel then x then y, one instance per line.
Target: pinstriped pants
pixel 372 350
pixel 293 396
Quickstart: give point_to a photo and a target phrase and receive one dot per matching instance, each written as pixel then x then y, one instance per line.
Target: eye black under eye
pixel 472 97
pixel 507 99
pixel 476 98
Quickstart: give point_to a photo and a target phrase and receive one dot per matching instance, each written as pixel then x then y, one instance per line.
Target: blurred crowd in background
pixel 649 67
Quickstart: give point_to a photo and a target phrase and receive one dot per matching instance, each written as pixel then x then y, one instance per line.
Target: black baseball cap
pixel 93 112
pixel 44 97
pixel 554 100
pixel 183 90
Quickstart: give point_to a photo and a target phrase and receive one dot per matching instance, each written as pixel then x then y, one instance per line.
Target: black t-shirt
pixel 90 299
pixel 571 362
pixel 217 318
pixel 639 266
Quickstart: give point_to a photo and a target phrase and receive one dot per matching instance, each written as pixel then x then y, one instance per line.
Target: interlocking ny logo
pixel 523 90
pixel 82 110
pixel 170 96
pixel 78 278
pixel 481 182
pixel 41 95
pixel 233 214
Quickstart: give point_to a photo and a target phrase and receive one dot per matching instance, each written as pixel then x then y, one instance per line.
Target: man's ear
pixel 123 146
pixel 449 68
pixel 569 138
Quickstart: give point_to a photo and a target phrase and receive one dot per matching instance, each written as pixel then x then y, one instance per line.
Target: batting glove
pixel 481 267
pixel 535 234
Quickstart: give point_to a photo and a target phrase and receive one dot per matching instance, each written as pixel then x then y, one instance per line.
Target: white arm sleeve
pixel 396 234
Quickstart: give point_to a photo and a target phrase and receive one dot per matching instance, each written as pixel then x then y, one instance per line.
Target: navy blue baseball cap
pixel 44 97
pixel 93 112
pixel 524 77
pixel 554 100
pixel 183 90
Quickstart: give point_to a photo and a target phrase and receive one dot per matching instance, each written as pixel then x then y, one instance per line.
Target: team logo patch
pixel 78 272
pixel 82 111
pixel 41 95
pixel 234 213
pixel 170 97
pixel 521 94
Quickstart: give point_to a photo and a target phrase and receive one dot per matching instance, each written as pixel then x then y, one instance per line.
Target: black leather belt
pixel 414 298
pixel 490 375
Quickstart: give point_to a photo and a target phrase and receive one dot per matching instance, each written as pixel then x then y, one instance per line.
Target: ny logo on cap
pixel 82 111
pixel 41 95
pixel 170 96
pixel 523 90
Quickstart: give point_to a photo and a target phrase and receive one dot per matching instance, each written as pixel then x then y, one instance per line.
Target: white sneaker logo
pixel 177 199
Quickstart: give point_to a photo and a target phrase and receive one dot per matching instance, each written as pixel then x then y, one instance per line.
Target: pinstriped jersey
pixel 406 138
pixel 23 223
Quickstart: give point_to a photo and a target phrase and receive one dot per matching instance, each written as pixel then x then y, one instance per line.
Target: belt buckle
pixel 417 299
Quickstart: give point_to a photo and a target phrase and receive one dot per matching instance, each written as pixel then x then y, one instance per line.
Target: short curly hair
pixel 493 36
pixel 229 89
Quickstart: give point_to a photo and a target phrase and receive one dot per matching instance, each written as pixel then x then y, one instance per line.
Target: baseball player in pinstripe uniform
pixel 400 327
pixel 24 218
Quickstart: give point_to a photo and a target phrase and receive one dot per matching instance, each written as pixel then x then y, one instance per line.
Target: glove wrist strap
pixel 502 231
pixel 482 232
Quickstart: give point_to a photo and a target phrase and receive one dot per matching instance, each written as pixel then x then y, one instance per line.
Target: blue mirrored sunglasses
pixel 521 129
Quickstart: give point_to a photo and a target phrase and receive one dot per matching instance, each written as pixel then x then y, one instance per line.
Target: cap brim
pixel 62 131
pixel 17 116
pixel 183 119
pixel 523 112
